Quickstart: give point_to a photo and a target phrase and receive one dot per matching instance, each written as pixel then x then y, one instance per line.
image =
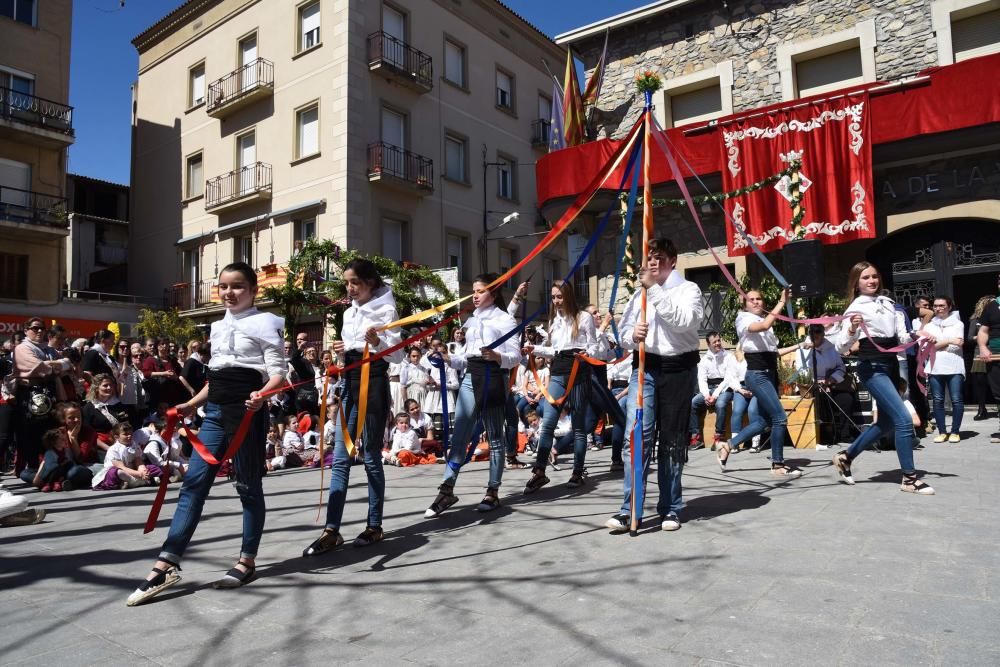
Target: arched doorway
pixel 959 258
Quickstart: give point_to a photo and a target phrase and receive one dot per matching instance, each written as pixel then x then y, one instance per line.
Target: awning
pixel 250 222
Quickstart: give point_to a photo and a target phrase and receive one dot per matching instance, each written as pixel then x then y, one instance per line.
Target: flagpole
pixel 554 79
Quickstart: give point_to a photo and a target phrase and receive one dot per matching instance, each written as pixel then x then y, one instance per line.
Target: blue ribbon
pixel 437 361
pixel 633 192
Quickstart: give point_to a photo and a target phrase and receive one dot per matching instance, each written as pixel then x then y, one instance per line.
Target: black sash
pixel 487 382
pixel 761 361
pixel 672 363
pixel 867 349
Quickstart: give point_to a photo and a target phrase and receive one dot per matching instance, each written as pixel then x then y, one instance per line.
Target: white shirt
pixel 561 335
pixel 250 339
pixel 410 374
pixel 622 371
pixel 291 442
pixel 423 422
pixel 881 318
pixel 948 361
pixel 376 312
pixel 526 382
pixel 130 456
pixel 514 309
pixel 675 311
pixel 717 366
pixel 484 326
pixel 408 441
pixel 761 341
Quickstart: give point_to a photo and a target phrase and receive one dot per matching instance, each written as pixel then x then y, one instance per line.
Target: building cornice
pixel 171 22
pixel 620 20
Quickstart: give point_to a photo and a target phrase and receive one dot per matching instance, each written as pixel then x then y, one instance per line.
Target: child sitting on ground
pixel 423 425
pixel 528 434
pixel 166 456
pixel 406 449
pixel 563 438
pixel 123 466
pixel 50 471
pixel 292 447
pixel 310 440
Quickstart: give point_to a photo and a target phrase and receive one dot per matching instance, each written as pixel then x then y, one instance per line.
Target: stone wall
pixel 691 38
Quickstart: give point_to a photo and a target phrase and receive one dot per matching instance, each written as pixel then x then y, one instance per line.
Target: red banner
pixel 833 140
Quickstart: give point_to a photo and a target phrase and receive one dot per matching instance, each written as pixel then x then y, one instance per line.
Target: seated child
pixel 123 466
pixel 563 438
pixel 167 457
pixel 528 433
pixel 292 447
pixel 406 449
pixel 57 469
pixel 81 439
pixel 310 440
pixel 423 425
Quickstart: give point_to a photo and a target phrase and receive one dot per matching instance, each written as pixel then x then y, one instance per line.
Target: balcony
pixel 241 186
pixel 33 211
pixel 188 296
pixel 49 122
pixel 541 133
pixel 400 62
pixel 240 88
pixel 400 169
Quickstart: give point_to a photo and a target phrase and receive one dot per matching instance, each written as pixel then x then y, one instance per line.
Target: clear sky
pixel 104 65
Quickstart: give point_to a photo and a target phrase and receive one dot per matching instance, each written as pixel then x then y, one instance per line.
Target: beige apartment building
pixel 36 128
pixel 397 128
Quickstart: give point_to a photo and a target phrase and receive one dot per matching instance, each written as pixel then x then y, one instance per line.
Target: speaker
pixel 803 262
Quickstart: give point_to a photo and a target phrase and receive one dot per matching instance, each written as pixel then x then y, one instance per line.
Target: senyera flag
pixel 832 138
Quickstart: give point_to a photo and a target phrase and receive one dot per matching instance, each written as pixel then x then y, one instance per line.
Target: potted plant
pixel 648 82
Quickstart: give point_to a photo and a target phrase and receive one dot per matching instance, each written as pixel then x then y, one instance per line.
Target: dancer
pixel 760 349
pixel 670 334
pixel 372 307
pixel 571 331
pixel 246 353
pixel 877 372
pixel 483 393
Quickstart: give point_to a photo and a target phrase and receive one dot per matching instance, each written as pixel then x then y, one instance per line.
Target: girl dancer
pixel 246 352
pixel 877 371
pixel 571 331
pixel 483 393
pixel 760 349
pixel 372 307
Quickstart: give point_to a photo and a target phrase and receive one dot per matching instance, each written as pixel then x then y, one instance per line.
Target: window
pixel 190 268
pixel 455 247
pixel 505 90
pixel 196 85
pixel 195 177
pixel 13 276
pixel 828 62
pixel 976 35
pixel 309 26
pixel 305 230
pixel 699 104
pixel 243 249
pixel 454 158
pixel 505 178
pixel 307 131
pixel 18 83
pixel 550 274
pixel 828 72
pixel 393 239
pixel 507 260
pixel 22 11
pixel 454 63
pixel 699 96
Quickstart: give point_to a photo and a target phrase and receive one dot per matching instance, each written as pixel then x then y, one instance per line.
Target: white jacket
pixel 377 312
pixel 484 326
pixel 948 361
pixel 674 313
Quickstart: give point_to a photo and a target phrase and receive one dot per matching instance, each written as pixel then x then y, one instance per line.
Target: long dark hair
pixel 366 272
pixel 569 305
pixel 497 292
pixel 244 269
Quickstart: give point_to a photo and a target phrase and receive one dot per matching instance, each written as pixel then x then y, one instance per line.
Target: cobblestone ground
pixel 762 573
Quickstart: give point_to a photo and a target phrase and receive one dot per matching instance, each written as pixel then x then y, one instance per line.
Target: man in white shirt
pixel 669 332
pixel 716 380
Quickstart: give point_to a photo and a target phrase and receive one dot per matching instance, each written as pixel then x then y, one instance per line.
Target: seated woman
pixel 123 466
pixel 80 438
pixel 102 410
pixel 406 450
pixel 423 425
pixel 529 394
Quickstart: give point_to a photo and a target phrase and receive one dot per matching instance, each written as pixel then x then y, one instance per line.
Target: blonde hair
pixel 981 305
pixel 100 379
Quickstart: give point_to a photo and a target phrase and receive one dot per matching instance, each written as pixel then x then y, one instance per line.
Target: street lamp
pixel 508 218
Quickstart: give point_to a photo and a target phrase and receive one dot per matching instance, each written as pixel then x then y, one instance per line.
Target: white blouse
pixel 674 315
pixel 250 339
pixel 376 312
pixel 484 326
pixel 761 341
pixel 948 361
pixel 561 335
pixel 881 319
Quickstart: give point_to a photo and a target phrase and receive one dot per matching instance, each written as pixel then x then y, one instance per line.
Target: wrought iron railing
pixel 90 295
pixel 712 317
pixel 33 208
pixel 386 159
pixel 36 111
pixel 187 296
pixel 258 73
pixel 540 132
pixel 384 50
pixel 237 184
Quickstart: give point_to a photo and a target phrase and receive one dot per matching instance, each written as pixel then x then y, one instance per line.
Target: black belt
pixel 668 363
pixel 619 384
pixel 232 385
pixel 562 362
pixel 761 361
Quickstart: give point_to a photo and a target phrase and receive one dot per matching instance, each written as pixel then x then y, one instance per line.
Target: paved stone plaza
pixel 807 572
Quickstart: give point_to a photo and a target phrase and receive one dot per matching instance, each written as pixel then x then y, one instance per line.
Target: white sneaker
pixel 822 447
pixel 670 522
pixel 11 504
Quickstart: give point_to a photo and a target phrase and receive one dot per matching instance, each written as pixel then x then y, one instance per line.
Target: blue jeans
pixel 742 405
pixel 618 433
pixel 666 404
pixel 557 387
pixel 493 417
pixel 371 447
pixel 771 413
pixel 892 414
pixel 721 404
pixel 602 402
pixel 954 384
pixel 248 466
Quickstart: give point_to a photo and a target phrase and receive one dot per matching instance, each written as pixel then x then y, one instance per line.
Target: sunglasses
pixel 36 328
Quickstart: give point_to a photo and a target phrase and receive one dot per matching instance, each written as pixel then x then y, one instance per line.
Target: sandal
pixel 236 577
pixel 329 540
pixel 723 448
pixel 163 580
pixel 577 479
pixel 513 463
pixel 786 471
pixel 537 481
pixel 913 485
pixel 842 463
pixel 369 536
pixel 445 498
pixel 490 501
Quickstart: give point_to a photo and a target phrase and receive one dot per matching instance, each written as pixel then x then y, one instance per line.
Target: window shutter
pixel 977 35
